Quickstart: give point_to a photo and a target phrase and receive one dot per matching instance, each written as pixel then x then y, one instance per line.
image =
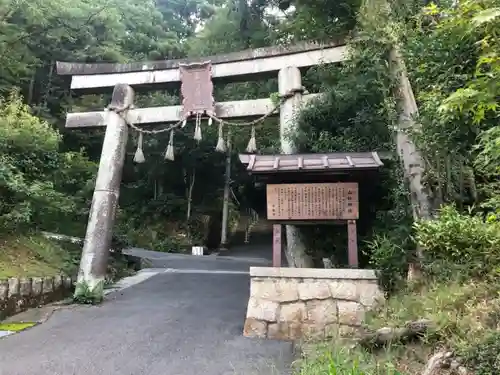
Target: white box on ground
pixel 198 250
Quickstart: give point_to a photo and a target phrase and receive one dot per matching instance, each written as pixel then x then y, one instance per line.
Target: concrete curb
pixel 129 281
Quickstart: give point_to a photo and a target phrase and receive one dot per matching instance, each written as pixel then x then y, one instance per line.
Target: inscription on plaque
pixel 327 201
pixel 197 88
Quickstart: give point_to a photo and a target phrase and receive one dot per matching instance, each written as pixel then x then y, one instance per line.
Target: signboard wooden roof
pixel 257 164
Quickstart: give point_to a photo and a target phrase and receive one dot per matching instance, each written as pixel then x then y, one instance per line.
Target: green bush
pixel 484 357
pixel 487 164
pixel 459 242
pixel 40 187
pixel 390 259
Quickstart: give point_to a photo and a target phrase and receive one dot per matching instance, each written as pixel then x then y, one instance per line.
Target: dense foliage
pixel 41 186
pixel 155 195
pixel 451 54
pixel 452 59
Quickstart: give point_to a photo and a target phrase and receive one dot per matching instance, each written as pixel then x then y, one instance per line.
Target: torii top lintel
pixel 95 76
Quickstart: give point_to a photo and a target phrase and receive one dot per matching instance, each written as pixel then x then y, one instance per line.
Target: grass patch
pixel 340 358
pixel 460 311
pixel 466 319
pixel 36 256
pixel 449 323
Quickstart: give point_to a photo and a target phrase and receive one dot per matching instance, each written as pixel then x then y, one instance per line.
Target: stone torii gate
pixel 245 65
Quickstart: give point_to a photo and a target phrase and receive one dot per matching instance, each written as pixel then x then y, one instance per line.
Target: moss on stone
pixel 15 327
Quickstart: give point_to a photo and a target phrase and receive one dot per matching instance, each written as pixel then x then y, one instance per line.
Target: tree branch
pixel 412 330
pixel 387 335
pixel 435 363
pixel 45 30
pixel 444 361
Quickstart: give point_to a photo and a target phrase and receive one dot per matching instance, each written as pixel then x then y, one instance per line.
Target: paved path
pixel 178 322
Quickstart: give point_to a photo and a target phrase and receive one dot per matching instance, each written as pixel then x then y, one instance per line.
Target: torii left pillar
pixel 93 265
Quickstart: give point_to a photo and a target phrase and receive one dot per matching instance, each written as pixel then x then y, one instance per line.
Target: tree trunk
pixel 225 203
pixel 190 194
pixel 48 89
pixel 410 156
pixel 296 255
pixel 31 88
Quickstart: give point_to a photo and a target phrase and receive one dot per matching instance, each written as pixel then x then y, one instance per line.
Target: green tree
pixel 40 186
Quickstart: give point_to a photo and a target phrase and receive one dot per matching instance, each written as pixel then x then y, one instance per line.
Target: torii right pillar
pixel 290 87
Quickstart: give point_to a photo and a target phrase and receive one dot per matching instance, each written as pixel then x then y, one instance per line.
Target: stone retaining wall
pixel 293 303
pixel 17 295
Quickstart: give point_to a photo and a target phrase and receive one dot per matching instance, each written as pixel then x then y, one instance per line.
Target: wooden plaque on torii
pixel 197 89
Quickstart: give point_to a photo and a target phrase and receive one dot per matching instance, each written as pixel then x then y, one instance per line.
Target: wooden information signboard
pixel 314 202
pixel 324 201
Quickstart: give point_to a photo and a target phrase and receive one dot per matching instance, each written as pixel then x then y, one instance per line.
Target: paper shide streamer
pixel 139 154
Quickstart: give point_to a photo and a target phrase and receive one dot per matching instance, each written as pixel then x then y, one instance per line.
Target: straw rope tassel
pixel 169 154
pixel 252 144
pixel 221 144
pixel 197 129
pixel 139 154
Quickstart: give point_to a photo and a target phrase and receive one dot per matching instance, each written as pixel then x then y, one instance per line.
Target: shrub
pixel 40 186
pixel 484 357
pixel 487 164
pixel 390 260
pixel 459 242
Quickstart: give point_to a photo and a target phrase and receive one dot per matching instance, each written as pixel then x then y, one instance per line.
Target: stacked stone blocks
pixel 293 303
pixel 19 294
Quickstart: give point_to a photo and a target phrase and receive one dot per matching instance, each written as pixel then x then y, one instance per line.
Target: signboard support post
pixel 352 242
pixel 277 247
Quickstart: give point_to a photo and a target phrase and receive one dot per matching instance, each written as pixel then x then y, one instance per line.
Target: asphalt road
pixel 187 322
